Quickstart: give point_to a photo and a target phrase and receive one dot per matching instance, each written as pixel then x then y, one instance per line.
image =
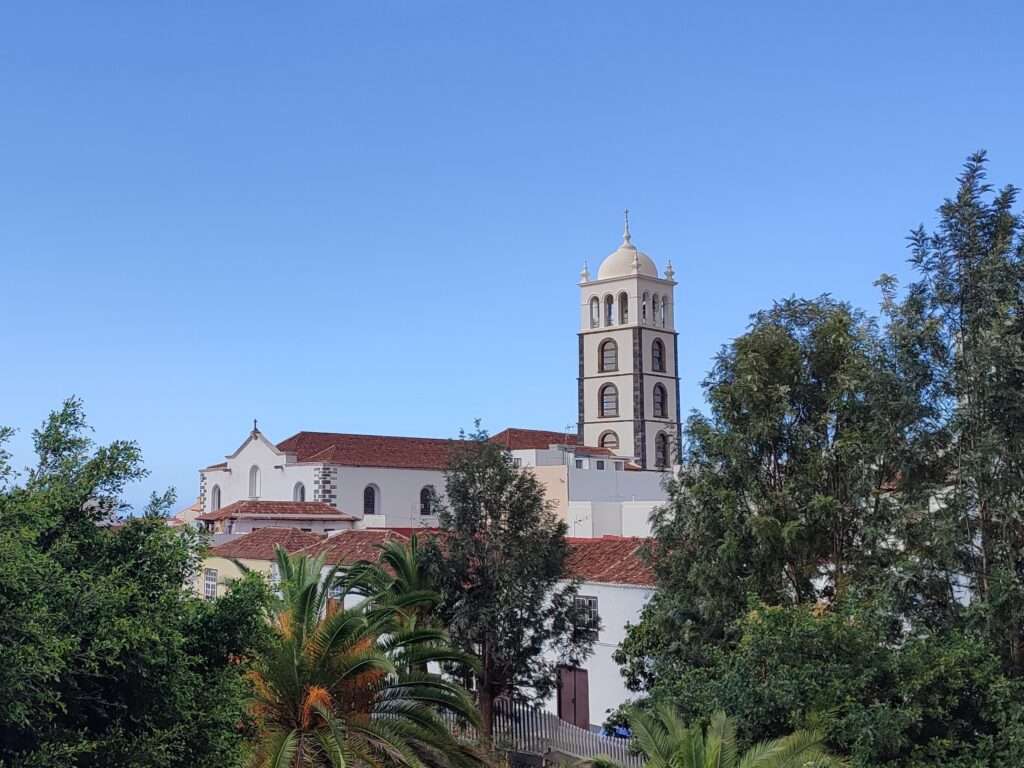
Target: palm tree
pixel 397 581
pixel 667 742
pixel 349 687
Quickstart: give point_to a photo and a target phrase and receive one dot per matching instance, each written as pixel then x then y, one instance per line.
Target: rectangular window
pixel 579 463
pixel 275 576
pixel 210 583
pixel 600 464
pixel 517 463
pixel 619 465
pixel 588 608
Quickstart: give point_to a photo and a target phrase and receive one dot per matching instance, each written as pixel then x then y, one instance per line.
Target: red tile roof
pixel 519 439
pixel 370 450
pixel 583 450
pixel 606 560
pixel 610 560
pixel 350 547
pixel 262 544
pixel 254 508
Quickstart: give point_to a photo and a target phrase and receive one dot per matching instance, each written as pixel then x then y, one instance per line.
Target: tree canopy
pixel 108 658
pixel 501 566
pixel 843 542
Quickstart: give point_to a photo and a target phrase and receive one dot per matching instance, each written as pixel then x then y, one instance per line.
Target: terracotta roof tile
pixel 605 560
pixel 349 547
pixel 254 508
pixel 515 439
pixel 610 560
pixel 262 544
pixel 370 450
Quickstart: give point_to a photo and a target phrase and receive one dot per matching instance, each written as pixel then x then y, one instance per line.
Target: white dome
pixel 627 260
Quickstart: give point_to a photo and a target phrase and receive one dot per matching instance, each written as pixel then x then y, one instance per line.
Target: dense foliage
pixel 844 542
pixel 108 658
pixel 501 565
pixel 667 742
pixel 352 685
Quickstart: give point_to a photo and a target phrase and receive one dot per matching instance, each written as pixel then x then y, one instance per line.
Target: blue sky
pixel 371 217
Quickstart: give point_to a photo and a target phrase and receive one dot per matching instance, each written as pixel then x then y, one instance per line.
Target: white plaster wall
pixel 399 499
pixel 275 484
pixel 647 355
pixel 313 526
pixel 612 485
pixel 607 517
pixel 623 337
pixel 634 286
pixel 650 380
pixel 636 517
pixel 580 519
pixel 616 606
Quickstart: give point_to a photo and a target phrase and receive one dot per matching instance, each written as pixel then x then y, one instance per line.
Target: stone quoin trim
pixel 202 492
pixel 579 388
pixel 639 425
pixel 678 442
pixel 325 484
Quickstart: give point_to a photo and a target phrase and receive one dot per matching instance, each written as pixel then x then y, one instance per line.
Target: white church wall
pixel 622 336
pixel 399 493
pixel 277 479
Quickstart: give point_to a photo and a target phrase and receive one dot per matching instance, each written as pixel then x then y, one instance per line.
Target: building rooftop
pixel 610 560
pixel 605 560
pixel 264 510
pixel 263 544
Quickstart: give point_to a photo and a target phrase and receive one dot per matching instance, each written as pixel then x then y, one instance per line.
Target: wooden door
pixel 574 696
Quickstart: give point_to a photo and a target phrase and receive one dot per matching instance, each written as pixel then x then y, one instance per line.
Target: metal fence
pixel 521 728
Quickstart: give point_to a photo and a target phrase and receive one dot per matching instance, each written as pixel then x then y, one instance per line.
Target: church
pixel 339 495
pixel 603 480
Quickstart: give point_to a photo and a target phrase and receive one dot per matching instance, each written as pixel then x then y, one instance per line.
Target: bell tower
pixel 628 358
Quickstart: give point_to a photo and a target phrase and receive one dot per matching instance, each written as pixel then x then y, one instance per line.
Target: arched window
pixel 660 402
pixel 370 500
pixel 609 310
pixel 428 500
pixel 595 312
pixel 215 498
pixel 664 311
pixel 608 356
pixel 623 308
pixel 254 482
pixel 654 309
pixel 658 355
pixel 661 450
pixel 608 440
pixel 299 492
pixel 609 400
pixel 643 308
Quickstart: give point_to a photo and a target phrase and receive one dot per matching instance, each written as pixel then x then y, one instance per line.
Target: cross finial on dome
pixel 625 229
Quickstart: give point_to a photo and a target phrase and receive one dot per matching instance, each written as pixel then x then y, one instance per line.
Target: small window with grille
pixel 587 607
pixel 210 583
